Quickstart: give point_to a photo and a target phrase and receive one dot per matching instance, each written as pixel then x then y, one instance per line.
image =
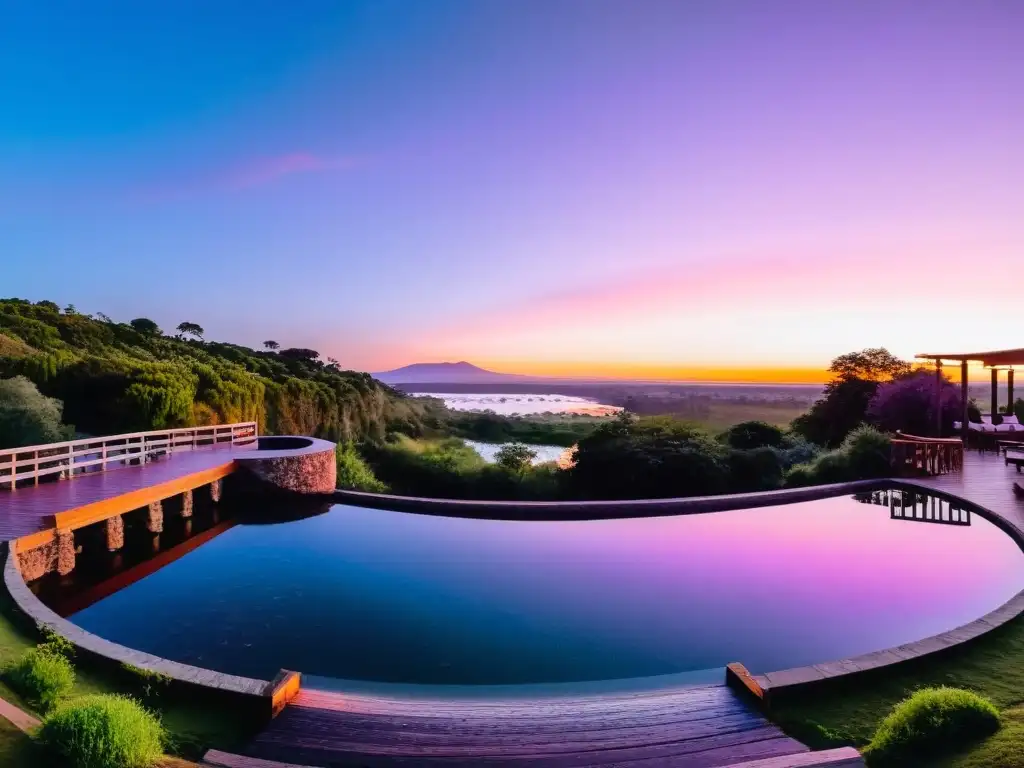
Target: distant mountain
pixel 445 373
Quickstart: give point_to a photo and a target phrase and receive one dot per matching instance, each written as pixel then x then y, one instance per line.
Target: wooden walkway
pixel 986 481
pixel 29 510
pixel 695 727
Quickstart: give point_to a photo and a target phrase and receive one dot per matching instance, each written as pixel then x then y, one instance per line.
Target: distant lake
pixel 522 404
pixel 544 453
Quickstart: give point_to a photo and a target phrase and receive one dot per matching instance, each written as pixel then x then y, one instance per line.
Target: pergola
pixel 996 360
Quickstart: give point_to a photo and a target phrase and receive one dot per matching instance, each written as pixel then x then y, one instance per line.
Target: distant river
pixel 544 453
pixel 522 405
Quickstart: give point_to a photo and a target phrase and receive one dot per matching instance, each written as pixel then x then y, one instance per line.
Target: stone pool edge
pixel 769 685
pixel 553 511
pixel 267 697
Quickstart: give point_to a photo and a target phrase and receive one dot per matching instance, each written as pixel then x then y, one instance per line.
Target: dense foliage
pixel 864 455
pixel 104 731
pixel 856 378
pixel 930 723
pixel 42 676
pixel 120 377
pixel 28 417
pixel 908 404
pixel 354 473
pixel 565 430
pixel 448 468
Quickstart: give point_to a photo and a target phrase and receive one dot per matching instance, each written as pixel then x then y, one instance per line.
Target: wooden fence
pixel 913 455
pixel 73 457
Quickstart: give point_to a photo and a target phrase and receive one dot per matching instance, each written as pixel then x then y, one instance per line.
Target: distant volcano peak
pixel 462 372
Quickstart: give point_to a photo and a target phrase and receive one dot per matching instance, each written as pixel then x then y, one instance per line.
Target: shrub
pixel 42 677
pixel 931 722
pixel 868 453
pixel 759 469
pixel 28 417
pixel 354 473
pixel 800 476
pixel 753 434
pixel 56 644
pixel 908 404
pixel 104 731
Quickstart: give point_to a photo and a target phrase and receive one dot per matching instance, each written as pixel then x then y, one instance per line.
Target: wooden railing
pixel 914 455
pixel 73 457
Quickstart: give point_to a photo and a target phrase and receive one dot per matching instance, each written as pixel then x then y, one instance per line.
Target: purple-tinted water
pixel 368 595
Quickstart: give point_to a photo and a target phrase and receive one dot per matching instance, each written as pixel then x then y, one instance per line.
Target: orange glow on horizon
pixel 656 372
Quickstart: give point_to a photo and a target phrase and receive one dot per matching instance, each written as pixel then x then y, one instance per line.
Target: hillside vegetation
pixel 120 377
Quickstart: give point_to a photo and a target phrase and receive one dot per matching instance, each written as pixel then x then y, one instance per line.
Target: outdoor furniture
pixel 1016 458
pixel 1011 445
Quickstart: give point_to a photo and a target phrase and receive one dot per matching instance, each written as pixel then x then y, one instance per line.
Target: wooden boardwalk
pixel 986 481
pixel 695 727
pixel 29 510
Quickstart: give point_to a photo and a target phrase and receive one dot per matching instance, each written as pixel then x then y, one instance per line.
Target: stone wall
pixel 305 473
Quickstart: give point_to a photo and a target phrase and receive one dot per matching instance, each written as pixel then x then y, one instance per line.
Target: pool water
pixel 389 597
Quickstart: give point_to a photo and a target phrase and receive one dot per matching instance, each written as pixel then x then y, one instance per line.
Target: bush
pixel 104 731
pixel 42 676
pixel 753 434
pixel 354 473
pixel 868 453
pixel 28 417
pixel 931 722
pixel 800 476
pixel 759 469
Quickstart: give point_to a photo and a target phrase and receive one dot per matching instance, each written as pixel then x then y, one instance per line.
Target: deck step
pixel 216 759
pixel 844 757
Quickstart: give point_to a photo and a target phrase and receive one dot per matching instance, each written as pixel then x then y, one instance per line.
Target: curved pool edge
pixel 263 695
pixel 553 511
pixel 769 685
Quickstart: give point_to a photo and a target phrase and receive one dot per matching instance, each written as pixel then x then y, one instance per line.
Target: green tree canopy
pixel 145 326
pixel 191 329
pixel 515 458
pixel 28 417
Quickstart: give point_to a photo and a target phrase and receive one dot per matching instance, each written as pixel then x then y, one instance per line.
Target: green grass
pixel 17 750
pixel 849 712
pixel 193 724
pixel 721 416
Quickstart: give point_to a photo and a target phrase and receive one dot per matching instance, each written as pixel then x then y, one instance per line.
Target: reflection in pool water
pixel 368 595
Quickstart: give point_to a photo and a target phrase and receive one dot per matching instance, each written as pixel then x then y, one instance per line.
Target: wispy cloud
pixel 267 170
pixel 248 174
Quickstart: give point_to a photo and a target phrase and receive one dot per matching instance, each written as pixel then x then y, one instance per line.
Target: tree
pixel 271 345
pixel 145 326
pixel 857 376
pixel 191 329
pixel 515 458
pixel 908 404
pixel 28 417
pixel 300 353
pixel 753 434
pixel 876 364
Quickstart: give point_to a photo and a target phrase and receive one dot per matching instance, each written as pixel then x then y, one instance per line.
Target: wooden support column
pixel 216 488
pixel 1009 392
pixel 938 398
pixel 115 533
pixel 964 400
pixel 155 517
pixel 995 391
pixel 186 504
pixel 65 552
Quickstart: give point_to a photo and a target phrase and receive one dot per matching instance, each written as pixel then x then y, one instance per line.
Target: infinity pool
pixel 387 597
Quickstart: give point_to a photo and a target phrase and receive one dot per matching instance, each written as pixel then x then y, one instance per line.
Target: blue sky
pixel 543 185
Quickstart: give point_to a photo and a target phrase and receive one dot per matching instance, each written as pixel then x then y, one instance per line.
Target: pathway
pixel 696 727
pixel 986 481
pixel 29 510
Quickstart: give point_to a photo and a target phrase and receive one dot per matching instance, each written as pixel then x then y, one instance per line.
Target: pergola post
pixel 1009 392
pixel 938 398
pixel 995 391
pixel 963 398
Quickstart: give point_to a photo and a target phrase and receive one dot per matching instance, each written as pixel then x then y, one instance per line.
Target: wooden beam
pixel 995 391
pixel 1009 391
pixel 97 511
pixel 963 397
pixel 938 398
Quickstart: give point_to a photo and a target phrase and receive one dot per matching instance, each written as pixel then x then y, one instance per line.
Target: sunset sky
pixel 718 189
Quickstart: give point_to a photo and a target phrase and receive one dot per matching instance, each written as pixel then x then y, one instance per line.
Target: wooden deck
pixel 692 727
pixel 33 509
pixel 986 481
